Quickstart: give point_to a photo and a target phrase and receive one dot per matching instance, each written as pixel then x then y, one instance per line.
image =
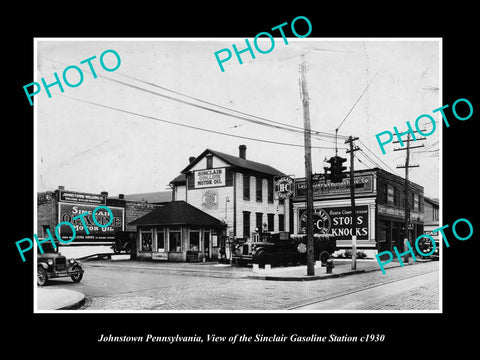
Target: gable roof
pixel 237 162
pixel 177 213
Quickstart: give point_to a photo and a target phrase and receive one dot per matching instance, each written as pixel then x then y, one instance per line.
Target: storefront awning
pixel 178 213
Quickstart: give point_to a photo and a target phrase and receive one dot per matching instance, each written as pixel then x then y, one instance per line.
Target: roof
pixel 178 213
pixel 151 197
pixel 236 161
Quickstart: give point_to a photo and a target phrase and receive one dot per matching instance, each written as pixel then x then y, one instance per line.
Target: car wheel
pixel 116 250
pixel 128 249
pixel 42 277
pixel 324 256
pixel 77 277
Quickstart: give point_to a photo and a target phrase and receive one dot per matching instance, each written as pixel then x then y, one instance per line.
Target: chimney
pixel 242 152
pixel 191 159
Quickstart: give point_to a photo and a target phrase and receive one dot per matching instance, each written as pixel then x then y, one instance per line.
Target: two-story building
pixel 237 192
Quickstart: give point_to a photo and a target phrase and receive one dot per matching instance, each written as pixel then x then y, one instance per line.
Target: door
pixel 206 244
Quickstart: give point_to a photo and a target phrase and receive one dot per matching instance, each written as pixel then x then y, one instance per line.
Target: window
pixel 281 222
pixel 194 240
pixel 258 221
pixel 415 202
pixel 246 224
pixel 390 195
pixel 175 239
pixel 270 190
pixel 146 239
pixel 246 187
pixel 270 218
pixel 160 239
pixel 258 188
pixel 209 161
pixel 396 197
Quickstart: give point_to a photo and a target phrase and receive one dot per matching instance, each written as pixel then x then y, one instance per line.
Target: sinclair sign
pixel 67 211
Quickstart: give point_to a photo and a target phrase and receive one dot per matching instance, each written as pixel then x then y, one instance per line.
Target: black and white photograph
pixel 231 181
pixel 203 166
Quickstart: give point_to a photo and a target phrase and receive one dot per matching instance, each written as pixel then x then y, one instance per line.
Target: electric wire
pixel 189 126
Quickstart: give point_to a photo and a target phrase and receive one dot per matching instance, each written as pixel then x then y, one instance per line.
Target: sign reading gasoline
pixel 67 212
pixel 209 178
pixel 337 221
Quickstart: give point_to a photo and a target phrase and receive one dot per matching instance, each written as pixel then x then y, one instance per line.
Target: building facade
pixel 379 204
pixel 236 191
pixel 61 205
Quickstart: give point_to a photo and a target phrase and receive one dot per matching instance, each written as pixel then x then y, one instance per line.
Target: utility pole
pixel 407 188
pixel 308 168
pixel 352 149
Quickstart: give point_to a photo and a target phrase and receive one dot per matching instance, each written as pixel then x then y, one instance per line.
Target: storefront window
pixel 175 239
pixel 194 240
pixel 146 238
pixel 160 239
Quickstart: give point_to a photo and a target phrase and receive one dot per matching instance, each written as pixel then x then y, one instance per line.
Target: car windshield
pixel 47 248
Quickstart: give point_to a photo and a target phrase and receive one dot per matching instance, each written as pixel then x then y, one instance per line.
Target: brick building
pixel 380 209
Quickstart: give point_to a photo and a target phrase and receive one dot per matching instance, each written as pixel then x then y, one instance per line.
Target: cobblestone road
pixel 187 292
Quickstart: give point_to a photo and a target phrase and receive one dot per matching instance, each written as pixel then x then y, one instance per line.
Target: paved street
pixel 145 286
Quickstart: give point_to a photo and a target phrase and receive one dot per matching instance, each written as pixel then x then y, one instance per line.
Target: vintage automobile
pixel 124 241
pixel 281 249
pixel 52 264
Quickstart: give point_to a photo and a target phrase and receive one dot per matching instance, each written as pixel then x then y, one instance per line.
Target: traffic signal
pixel 336 169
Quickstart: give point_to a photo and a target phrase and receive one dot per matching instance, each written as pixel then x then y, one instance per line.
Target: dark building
pixel 380 209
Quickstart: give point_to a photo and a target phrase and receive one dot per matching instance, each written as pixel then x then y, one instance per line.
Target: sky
pixel 85 145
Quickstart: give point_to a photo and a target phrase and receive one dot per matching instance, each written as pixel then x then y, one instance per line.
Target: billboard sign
pixel 67 211
pixel 337 221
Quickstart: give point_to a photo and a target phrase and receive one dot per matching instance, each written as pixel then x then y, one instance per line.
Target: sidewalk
pixel 342 267
pixel 58 299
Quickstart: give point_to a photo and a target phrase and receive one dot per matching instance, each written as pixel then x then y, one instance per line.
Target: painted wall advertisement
pixel 67 212
pixel 209 178
pixel 337 221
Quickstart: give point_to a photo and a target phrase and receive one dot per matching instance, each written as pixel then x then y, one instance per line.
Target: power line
pixel 189 126
pixel 279 125
pixel 301 130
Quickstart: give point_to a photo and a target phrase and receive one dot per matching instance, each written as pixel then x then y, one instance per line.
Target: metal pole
pixel 308 170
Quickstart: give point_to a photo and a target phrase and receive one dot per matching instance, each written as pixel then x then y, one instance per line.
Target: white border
pixel 387 39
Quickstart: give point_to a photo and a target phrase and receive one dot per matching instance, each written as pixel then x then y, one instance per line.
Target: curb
pixel 59 299
pixel 304 277
pixel 327 276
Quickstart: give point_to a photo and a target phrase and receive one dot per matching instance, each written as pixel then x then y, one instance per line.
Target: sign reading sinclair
pixel 209 178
